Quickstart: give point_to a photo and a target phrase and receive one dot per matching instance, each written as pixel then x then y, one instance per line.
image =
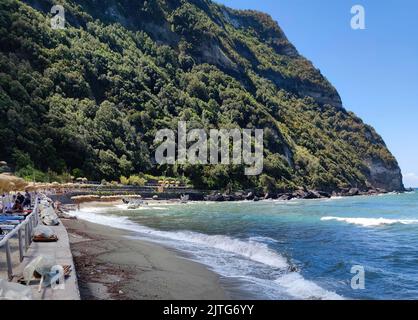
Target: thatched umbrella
pixel 32 187
pixel 10 183
pixel 54 185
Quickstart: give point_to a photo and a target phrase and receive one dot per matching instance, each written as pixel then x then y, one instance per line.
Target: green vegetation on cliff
pixel 89 99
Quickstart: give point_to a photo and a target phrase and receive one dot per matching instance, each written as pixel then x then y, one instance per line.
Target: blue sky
pixel 374 70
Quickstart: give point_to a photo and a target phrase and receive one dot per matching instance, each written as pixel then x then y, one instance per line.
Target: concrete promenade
pixel 61 251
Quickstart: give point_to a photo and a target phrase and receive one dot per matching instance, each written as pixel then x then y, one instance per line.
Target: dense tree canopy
pixel 89 99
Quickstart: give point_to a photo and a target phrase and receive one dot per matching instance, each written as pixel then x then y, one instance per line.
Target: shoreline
pixel 111 266
pixel 68 199
pixel 96 194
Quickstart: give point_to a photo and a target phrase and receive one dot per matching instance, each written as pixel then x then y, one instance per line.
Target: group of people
pixel 18 204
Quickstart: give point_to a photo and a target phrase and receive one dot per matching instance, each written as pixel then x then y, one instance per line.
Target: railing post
pixel 19 234
pixel 9 260
pixel 30 232
pixel 26 237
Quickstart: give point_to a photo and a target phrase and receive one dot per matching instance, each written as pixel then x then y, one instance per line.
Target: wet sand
pixel 111 266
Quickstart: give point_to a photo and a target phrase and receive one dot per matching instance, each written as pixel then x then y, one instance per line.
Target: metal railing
pixel 25 229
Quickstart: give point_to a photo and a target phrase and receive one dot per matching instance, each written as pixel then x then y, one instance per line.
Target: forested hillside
pixel 88 100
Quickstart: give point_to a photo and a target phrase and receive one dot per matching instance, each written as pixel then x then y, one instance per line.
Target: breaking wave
pixel 228 256
pixel 370 222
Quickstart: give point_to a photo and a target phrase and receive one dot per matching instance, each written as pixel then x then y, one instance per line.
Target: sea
pixel 363 247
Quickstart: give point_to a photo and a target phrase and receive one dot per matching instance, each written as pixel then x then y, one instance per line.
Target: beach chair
pixel 7 227
pixel 11 222
pixel 5 218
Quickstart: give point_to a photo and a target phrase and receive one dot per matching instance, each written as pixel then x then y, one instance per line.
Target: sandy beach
pixel 111 266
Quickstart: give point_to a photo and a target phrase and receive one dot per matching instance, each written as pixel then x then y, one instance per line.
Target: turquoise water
pixel 301 249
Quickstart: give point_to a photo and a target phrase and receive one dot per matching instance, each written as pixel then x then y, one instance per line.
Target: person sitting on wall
pixel 27 202
pixel 17 207
pixel 20 198
pixel 9 207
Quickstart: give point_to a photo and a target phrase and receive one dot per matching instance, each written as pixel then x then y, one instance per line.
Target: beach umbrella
pixel 10 183
pixel 40 186
pixel 55 185
pixel 32 187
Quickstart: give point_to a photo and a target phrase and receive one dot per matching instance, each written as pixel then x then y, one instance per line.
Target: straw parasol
pixel 54 185
pixel 10 183
pixel 32 187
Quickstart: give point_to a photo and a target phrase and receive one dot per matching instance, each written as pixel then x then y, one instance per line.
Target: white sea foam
pixel 254 252
pixel 263 239
pixel 299 287
pixel 370 222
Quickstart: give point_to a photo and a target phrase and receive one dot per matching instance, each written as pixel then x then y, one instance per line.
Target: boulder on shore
pixel 353 192
pixel 299 194
pixel 312 195
pixel 214 197
pixel 324 194
pixel 250 196
pixel 285 197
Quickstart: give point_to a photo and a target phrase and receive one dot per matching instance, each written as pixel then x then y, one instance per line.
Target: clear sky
pixel 375 70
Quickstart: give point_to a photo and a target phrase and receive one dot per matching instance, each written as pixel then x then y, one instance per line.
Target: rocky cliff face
pixel 384 177
pixel 154 17
pixel 155 62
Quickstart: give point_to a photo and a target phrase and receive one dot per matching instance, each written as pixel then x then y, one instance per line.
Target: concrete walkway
pixel 61 251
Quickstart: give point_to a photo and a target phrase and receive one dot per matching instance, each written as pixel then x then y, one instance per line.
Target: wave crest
pixel 370 222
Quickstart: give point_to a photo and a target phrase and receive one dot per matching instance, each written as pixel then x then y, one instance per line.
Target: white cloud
pixel 410 179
